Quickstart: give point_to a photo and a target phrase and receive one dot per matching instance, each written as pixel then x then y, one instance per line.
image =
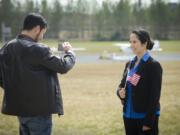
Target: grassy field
pixel 170 47
pixel 92 107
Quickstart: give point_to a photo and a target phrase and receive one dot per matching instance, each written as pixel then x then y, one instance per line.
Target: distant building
pixel 5 32
pixel 173 5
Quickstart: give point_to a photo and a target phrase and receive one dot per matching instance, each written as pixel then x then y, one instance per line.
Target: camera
pixel 60 47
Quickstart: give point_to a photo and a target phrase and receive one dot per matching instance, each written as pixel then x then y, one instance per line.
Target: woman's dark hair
pixel 144 37
pixel 32 20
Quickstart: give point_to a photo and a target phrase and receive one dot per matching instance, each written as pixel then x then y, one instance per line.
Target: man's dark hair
pixel 32 20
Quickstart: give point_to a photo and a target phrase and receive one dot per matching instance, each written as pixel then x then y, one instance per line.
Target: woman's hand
pixel 122 93
pixel 145 128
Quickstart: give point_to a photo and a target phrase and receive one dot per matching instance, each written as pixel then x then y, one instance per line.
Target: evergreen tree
pixel 55 20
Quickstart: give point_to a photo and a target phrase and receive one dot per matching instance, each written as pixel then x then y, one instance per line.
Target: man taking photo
pixel 28 75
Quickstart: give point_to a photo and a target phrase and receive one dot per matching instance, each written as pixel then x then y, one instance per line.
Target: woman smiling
pixel 140 88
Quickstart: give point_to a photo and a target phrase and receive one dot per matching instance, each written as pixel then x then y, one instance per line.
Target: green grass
pixel 170 47
pixel 92 107
pixel 91 47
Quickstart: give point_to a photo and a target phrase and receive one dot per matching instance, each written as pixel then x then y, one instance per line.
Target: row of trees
pixel 85 19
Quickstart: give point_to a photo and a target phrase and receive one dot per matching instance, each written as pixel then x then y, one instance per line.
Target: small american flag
pixel 134 79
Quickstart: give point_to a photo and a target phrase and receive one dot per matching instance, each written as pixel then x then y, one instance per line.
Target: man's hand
pixel 66 46
pixel 122 93
pixel 145 128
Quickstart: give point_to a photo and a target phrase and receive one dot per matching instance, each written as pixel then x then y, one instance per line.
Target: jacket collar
pixel 25 37
pixel 144 58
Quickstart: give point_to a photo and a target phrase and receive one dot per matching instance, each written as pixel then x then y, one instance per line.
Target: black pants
pixel 134 127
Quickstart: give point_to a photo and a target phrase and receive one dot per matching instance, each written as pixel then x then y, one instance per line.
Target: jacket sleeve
pixel 155 81
pixel 57 64
pixel 1 63
pixel 123 81
pixel 1 79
